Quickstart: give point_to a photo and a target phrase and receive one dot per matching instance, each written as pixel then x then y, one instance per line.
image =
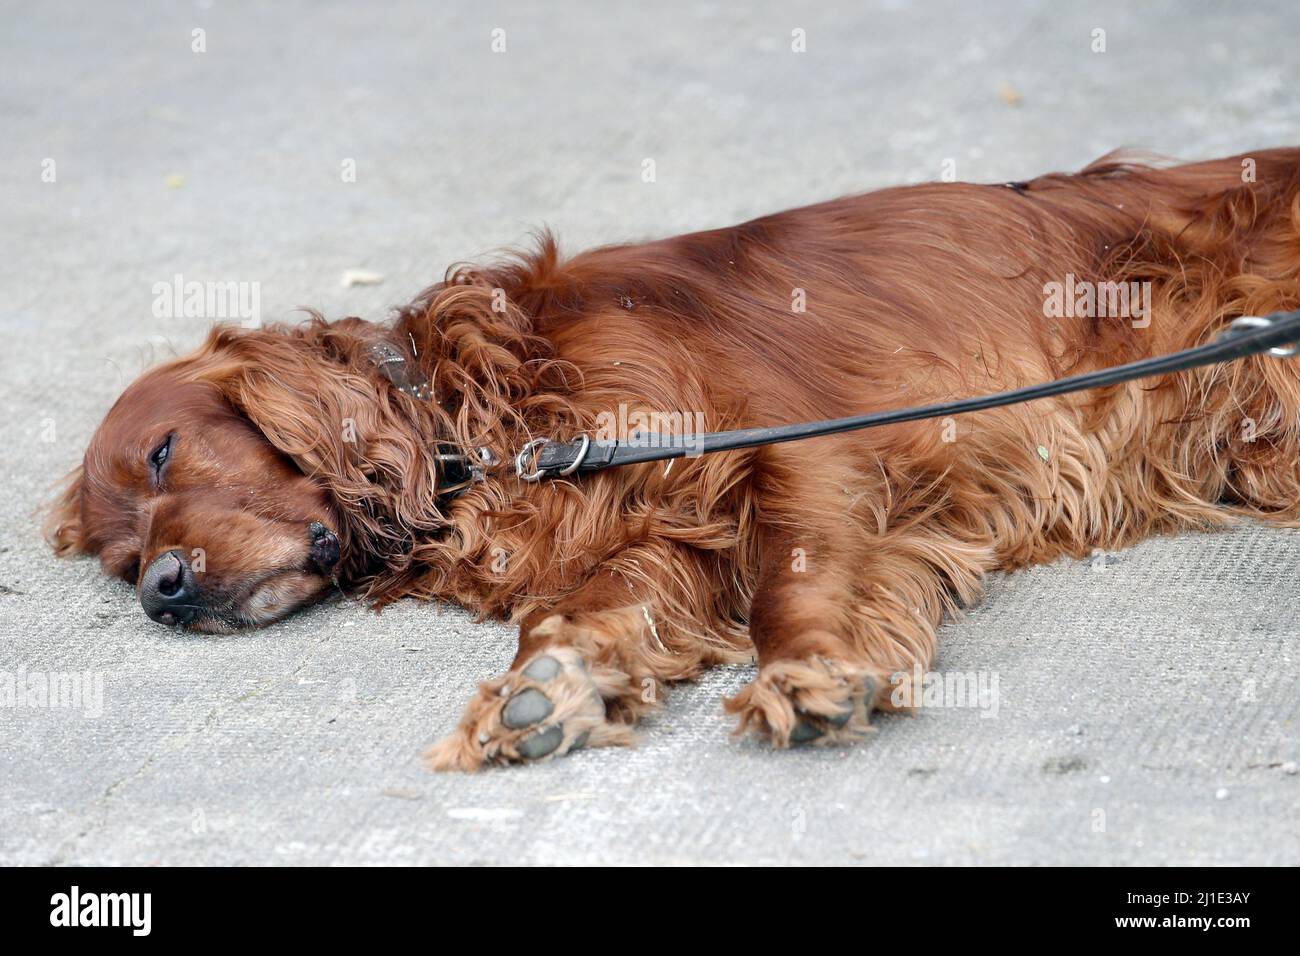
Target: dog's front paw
pixel 814 701
pixel 545 709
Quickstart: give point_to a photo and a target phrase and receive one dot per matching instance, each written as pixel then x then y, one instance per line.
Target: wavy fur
pixel 832 557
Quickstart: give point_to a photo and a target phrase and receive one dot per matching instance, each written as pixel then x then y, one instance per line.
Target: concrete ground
pixel 1147 706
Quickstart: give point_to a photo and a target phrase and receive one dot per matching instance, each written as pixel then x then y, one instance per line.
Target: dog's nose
pixel 324 546
pixel 168 589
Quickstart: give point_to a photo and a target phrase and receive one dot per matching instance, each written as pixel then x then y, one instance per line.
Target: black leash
pixel 1249 335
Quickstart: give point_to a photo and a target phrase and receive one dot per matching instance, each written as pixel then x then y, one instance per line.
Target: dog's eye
pixel 159 457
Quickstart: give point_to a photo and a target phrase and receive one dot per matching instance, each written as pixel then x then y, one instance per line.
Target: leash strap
pixel 1246 336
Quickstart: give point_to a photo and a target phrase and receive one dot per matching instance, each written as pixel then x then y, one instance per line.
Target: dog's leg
pixel 589 666
pixel 842 606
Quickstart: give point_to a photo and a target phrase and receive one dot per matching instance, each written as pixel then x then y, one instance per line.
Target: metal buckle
pixel 1260 322
pixel 578 459
pixel 531 446
pixel 537 473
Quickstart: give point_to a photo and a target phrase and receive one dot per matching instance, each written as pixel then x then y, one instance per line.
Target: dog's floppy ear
pixel 312 392
pixel 62 524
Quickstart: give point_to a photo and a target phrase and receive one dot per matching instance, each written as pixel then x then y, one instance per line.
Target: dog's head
pixel 232 486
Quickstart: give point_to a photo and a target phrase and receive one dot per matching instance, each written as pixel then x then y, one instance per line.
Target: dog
pixel 241 482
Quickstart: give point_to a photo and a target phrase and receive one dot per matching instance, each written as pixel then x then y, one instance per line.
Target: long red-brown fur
pixel 834 559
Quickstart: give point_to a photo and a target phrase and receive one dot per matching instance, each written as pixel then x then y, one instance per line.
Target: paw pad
pixel 808 730
pixel 540 744
pixel 550 706
pixel 543 668
pixel 811 701
pixel 570 703
pixel 526 708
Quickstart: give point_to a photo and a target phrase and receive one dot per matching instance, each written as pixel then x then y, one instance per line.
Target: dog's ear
pixel 315 396
pixel 62 524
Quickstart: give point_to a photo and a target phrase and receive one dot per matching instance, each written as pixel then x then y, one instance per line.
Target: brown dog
pixel 231 486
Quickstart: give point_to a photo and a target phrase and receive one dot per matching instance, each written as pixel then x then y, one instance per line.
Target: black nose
pixel 168 590
pixel 324 546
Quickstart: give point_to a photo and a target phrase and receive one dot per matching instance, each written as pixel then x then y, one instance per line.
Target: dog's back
pixel 833 560
pixel 845 552
pixel 917 294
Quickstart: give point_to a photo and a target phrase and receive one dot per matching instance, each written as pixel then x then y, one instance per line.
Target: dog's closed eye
pixel 159 458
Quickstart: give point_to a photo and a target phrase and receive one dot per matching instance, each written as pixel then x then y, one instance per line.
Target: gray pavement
pixel 1147 708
